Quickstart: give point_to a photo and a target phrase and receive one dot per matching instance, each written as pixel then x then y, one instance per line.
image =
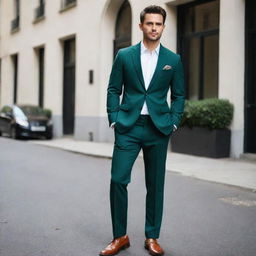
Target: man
pixel 143 74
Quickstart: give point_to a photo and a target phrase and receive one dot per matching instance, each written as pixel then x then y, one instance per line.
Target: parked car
pixel 25 121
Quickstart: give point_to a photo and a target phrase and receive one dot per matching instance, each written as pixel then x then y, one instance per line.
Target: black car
pixel 25 121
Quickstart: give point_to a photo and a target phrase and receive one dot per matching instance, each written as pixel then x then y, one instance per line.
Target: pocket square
pixel 167 67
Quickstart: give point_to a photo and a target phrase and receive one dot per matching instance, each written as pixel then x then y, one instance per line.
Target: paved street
pixel 55 203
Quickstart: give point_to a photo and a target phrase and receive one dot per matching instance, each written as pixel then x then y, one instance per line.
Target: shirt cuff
pixel 113 124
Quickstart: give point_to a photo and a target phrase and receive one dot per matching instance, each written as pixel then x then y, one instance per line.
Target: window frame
pixel 182 48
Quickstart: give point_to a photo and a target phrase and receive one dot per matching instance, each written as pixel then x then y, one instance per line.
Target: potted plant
pixel 204 128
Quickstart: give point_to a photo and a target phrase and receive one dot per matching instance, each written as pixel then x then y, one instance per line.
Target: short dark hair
pixel 153 9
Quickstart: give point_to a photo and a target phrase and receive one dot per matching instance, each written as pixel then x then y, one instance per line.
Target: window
pixel 39 11
pixel 198 44
pixel 15 23
pixel 123 27
pixel 66 4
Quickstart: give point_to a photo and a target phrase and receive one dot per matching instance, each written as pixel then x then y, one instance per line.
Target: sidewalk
pixel 236 172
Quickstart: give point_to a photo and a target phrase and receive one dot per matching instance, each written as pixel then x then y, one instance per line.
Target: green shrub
pixel 212 113
pixel 47 112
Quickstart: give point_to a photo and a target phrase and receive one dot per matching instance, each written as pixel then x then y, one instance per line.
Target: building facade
pixel 58 54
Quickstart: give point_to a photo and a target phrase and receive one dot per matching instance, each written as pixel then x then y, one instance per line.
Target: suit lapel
pixel 159 66
pixel 137 63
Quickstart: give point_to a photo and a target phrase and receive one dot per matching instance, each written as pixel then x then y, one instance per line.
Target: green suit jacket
pixel 126 78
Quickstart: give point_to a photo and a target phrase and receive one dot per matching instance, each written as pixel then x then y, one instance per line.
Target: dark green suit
pixel 134 132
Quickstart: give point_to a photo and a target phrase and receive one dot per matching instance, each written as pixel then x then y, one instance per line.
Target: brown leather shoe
pixel 153 247
pixel 116 246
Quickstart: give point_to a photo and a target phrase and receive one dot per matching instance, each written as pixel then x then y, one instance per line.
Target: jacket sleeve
pixel 115 88
pixel 177 94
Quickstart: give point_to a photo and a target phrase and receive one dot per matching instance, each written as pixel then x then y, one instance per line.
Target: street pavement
pixel 236 172
pixel 55 202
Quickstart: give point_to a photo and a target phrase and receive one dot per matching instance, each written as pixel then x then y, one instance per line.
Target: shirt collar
pixel 143 48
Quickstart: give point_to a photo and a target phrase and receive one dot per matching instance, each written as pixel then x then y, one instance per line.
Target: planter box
pixel 201 141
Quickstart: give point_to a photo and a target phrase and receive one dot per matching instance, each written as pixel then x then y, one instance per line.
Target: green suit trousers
pixel 143 135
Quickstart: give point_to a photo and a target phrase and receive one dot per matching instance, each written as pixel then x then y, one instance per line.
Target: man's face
pixel 152 27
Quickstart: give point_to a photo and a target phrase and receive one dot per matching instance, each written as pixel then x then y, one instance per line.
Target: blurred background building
pixel 58 54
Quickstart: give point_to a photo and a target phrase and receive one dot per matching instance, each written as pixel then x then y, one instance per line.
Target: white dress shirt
pixel 148 64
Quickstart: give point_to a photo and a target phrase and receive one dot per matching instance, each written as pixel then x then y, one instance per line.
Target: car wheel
pixel 14 133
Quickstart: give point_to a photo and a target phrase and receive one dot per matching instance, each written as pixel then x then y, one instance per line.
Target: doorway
pixel 69 86
pixel 250 78
pixel 41 77
pixel 15 77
